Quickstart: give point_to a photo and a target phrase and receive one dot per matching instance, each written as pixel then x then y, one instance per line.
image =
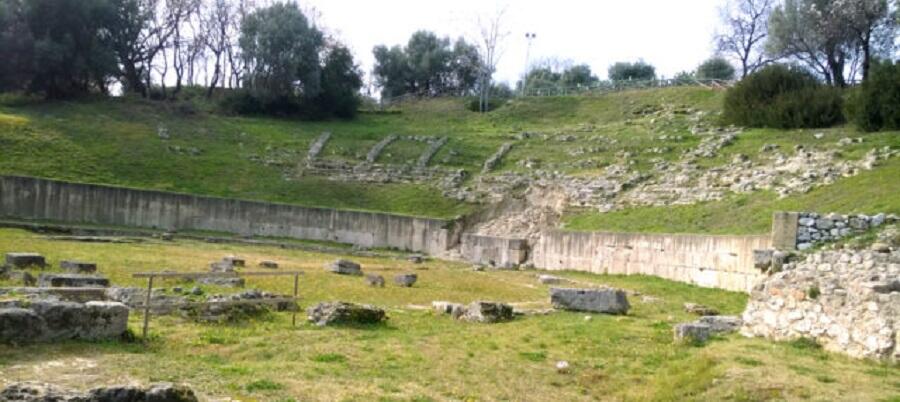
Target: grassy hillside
pixel 117 141
pixel 422 356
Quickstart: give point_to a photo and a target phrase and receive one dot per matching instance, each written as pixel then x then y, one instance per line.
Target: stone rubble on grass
pixel 375 280
pixel 268 264
pixel 416 258
pixel 25 278
pixel 234 261
pixel 603 300
pixel 699 309
pixel 486 312
pixel 72 281
pixel 25 260
pixel 233 307
pixel 405 280
pixel 344 267
pixel 848 301
pixel 549 279
pixel 78 267
pixel 338 313
pixel 44 392
pixel 226 281
pixel 444 307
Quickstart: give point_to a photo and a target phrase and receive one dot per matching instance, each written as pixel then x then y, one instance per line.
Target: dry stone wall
pixel 848 301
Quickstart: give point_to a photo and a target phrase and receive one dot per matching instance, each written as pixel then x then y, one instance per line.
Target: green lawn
pixel 420 356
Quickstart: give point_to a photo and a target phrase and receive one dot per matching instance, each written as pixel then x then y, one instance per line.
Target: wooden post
pixel 147 307
pixel 294 317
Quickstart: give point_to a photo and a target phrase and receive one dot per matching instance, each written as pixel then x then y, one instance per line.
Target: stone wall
pixel 848 301
pixel 804 230
pixel 724 262
pixel 494 251
pixel 41 199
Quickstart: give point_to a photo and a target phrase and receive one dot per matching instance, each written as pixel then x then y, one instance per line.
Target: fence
pixel 194 275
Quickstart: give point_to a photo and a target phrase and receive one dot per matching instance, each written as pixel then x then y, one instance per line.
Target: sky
pixel 673 35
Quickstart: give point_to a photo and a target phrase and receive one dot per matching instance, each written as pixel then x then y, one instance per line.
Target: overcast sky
pixel 673 35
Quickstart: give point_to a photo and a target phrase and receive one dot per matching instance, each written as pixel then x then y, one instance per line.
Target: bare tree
pixel 492 35
pixel 745 31
pixel 181 42
pixel 217 19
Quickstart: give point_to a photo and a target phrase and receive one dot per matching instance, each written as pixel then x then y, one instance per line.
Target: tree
pixel 578 76
pixel 391 70
pixel 217 20
pixel 281 52
pixel 746 28
pixel 427 66
pixel 638 71
pixel 341 81
pixel 16 46
pixel 871 27
pixel 72 51
pixel 492 36
pixel 831 35
pixel 716 68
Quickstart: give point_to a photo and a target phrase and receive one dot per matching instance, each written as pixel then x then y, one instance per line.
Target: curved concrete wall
pixel 724 262
pixel 42 199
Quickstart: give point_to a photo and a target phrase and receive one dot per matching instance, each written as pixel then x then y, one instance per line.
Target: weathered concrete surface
pixel 608 300
pixel 724 262
pixel 784 230
pixel 493 251
pixel 42 199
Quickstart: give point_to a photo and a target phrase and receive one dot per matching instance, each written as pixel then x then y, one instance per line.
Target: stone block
pixel 719 324
pixel 375 280
pixel 345 267
pixel 234 261
pixel 606 300
pixel 549 279
pixel 692 332
pixel 268 264
pixel 78 267
pixel 341 313
pixel 762 259
pixel 487 312
pixel 72 281
pixel 406 280
pixel 20 325
pixel 25 260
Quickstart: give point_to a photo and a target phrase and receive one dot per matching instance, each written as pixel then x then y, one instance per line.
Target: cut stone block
pixel 606 300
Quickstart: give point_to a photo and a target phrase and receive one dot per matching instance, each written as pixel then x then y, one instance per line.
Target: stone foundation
pixel 848 301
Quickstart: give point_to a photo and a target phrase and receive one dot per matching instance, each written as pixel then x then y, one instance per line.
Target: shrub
pixel 474 104
pixel 781 96
pixel 876 104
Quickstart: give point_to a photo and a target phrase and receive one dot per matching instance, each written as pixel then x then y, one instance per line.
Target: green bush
pixel 781 96
pixel 716 68
pixel 876 104
pixel 474 104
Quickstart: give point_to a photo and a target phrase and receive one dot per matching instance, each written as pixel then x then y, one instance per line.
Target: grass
pixel 419 355
pixel 872 191
pixel 117 141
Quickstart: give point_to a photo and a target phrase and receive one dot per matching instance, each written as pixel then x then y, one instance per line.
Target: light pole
pixel 529 36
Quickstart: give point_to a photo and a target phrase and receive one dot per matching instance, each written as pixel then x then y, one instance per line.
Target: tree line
pixel 273 58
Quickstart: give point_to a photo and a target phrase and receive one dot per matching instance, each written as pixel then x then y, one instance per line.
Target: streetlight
pixel 529 36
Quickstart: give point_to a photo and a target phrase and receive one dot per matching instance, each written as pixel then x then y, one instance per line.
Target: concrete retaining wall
pixel 41 199
pixel 494 251
pixel 724 262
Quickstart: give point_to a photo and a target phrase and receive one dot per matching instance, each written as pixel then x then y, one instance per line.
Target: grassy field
pixel 117 141
pixel 420 356
pixel 870 192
